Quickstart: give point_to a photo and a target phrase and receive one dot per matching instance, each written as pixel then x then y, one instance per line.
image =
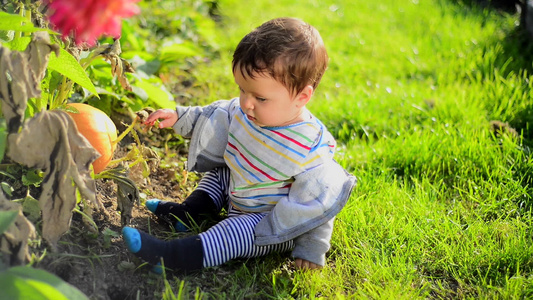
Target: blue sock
pixel 180 254
pixel 152 204
pixel 132 237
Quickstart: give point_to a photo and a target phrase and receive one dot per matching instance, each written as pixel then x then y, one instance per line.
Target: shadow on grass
pixel 242 278
pixel 516 56
pixel 518 46
pixel 507 6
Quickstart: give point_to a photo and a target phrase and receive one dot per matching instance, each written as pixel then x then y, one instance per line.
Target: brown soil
pixel 97 261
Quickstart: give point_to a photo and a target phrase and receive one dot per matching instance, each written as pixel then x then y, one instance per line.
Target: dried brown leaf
pixel 20 77
pixel 143 114
pixel 51 141
pixel 14 242
pixel 119 66
pixel 16 86
pixel 127 193
pixel 38 53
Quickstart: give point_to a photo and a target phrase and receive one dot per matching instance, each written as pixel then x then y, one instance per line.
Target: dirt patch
pixel 96 260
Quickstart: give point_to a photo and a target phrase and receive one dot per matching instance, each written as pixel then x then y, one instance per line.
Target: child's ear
pixel 305 95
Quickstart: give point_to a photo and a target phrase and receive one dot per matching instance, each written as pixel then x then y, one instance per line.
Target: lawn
pixel 431 104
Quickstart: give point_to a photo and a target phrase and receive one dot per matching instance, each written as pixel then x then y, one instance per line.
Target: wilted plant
pixel 37 81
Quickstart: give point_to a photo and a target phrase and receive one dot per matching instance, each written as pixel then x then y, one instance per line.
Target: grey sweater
pixel 306 215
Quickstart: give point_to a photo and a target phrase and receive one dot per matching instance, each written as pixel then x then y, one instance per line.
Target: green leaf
pixel 7 217
pixel 6 188
pixel 139 92
pixel 18 44
pixel 18 281
pixel 6 36
pixel 158 94
pixel 178 51
pixel 32 177
pixel 18 23
pixel 129 34
pixel 14 287
pixel 207 28
pixel 31 208
pixel 67 65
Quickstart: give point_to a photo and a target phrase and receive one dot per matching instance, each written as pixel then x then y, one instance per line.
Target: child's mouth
pixel 250 118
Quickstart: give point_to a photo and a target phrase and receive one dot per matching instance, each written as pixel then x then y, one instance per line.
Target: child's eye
pixel 260 99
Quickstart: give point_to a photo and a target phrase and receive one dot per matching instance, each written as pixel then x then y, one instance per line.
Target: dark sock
pixel 189 211
pixel 184 254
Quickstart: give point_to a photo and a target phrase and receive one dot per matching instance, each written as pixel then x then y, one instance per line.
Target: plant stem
pixel 5 166
pixel 61 97
pixel 125 132
pixel 28 15
pixel 18 34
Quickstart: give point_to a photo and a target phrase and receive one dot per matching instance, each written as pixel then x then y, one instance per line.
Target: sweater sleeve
pixel 315 197
pixel 207 127
pixel 187 118
pixel 313 245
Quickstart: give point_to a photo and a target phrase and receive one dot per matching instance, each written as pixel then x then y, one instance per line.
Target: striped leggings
pixel 234 236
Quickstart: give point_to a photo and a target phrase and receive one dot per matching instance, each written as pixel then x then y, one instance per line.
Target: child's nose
pixel 246 102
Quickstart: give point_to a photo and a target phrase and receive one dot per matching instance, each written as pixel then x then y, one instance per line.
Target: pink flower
pixel 87 20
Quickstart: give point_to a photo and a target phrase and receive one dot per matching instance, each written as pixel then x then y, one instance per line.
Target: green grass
pixel 443 206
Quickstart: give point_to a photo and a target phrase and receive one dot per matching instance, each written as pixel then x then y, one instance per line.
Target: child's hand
pixel 169 117
pixel 303 264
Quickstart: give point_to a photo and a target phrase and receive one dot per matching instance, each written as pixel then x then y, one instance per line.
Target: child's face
pixel 267 102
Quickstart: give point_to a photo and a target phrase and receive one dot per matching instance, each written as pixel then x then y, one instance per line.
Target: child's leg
pixel 207 199
pixel 216 184
pixel 179 254
pixel 229 239
pixel 234 238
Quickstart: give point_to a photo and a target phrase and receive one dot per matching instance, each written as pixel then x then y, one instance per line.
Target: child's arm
pixel 205 126
pixel 311 247
pixel 169 117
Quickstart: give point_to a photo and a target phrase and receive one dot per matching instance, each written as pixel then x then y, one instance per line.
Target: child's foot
pixel 144 246
pixel 168 211
pixel 132 237
pixel 152 204
pixel 183 254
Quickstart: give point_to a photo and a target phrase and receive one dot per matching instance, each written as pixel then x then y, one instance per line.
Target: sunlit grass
pixel 443 207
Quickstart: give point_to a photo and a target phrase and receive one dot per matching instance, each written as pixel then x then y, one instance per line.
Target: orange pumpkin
pixel 98 129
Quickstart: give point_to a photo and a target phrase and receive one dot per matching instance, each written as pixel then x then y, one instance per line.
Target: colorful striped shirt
pixel 264 160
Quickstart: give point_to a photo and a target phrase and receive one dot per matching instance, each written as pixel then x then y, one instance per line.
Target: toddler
pixel 266 159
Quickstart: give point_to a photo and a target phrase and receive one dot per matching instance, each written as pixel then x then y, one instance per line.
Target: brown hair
pixel 287 49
